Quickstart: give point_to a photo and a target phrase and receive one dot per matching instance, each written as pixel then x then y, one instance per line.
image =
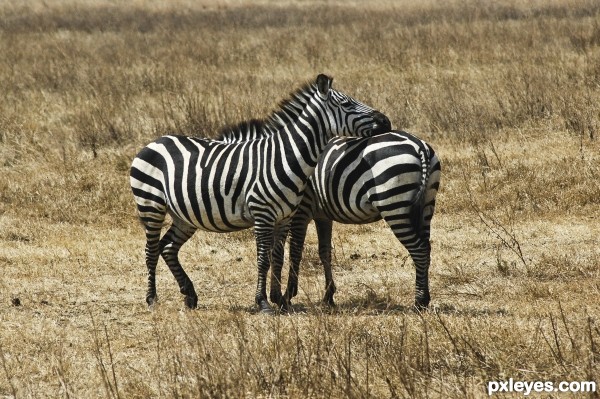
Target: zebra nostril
pixel 383 123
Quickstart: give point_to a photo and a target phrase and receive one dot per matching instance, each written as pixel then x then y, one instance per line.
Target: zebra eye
pixel 346 103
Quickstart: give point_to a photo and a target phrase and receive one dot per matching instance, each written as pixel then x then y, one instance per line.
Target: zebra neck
pixel 298 141
pixel 315 122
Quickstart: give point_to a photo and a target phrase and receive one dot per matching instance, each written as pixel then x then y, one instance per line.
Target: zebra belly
pixel 217 214
pixel 365 213
pixel 365 220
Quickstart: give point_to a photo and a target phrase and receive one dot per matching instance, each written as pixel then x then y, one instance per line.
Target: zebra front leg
pixel 324 230
pixel 264 247
pixel 170 245
pixel 277 264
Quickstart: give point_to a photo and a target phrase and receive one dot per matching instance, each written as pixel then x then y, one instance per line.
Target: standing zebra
pixel 223 187
pixel 392 176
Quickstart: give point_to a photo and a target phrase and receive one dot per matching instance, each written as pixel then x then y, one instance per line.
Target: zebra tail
pixel 416 213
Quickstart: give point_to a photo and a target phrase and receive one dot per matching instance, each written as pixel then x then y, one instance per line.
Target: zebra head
pixel 348 116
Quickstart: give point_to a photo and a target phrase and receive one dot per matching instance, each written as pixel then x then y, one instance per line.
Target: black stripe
pixel 192 177
pixel 217 191
pixel 397 190
pixel 146 179
pixel 178 162
pixel 146 195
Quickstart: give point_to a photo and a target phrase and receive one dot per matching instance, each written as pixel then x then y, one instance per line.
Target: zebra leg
pixel 324 230
pixel 152 218
pixel 170 245
pixel 152 227
pixel 422 254
pixel 420 247
pixel 280 236
pixel 298 229
pixel 264 246
pixel 422 258
pixel 420 251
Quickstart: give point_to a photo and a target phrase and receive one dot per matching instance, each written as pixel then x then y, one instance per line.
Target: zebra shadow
pixel 345 308
pixel 373 305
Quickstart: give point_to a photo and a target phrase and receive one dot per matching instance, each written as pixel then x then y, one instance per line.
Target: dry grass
pixel 508 95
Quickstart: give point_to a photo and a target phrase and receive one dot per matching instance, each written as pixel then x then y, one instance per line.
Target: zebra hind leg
pixel 152 220
pixel 421 257
pixel 152 254
pixel 170 245
pixel 420 252
pixel 419 249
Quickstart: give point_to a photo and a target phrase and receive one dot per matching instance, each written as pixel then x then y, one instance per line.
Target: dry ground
pixel 507 94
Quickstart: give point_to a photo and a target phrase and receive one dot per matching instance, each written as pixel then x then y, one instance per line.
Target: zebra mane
pixel 254 129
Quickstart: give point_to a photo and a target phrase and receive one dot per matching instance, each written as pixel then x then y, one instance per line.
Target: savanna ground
pixel 506 92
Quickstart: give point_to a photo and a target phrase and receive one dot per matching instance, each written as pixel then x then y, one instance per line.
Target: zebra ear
pixel 324 84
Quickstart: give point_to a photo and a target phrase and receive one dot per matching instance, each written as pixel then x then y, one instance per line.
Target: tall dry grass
pixel 507 92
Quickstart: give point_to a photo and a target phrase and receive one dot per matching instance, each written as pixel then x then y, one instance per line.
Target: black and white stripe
pixel 222 187
pixel 393 176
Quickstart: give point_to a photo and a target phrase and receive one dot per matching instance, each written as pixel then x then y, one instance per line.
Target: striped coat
pixel 222 187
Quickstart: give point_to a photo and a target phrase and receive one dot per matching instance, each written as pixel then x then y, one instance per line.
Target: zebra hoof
pixel 421 301
pixel 265 308
pixel 285 306
pixel 291 291
pixel 151 301
pixel 277 299
pixel 328 301
pixel 191 302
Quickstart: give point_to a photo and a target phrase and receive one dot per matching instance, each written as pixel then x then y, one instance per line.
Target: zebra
pixel 223 187
pixel 393 176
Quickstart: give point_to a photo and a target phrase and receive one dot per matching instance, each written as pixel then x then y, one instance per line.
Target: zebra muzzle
pixel 382 123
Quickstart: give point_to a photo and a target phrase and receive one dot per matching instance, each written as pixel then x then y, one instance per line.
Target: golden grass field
pixel 508 94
